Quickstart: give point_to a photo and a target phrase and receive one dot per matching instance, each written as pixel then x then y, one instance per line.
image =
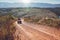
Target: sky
pixel 32 1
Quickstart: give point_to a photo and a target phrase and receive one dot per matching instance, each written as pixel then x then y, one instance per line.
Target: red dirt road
pixel 37 32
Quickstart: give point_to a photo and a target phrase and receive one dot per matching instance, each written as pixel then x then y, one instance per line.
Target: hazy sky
pixel 40 1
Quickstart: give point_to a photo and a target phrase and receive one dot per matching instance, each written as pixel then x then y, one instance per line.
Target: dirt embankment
pixel 8 29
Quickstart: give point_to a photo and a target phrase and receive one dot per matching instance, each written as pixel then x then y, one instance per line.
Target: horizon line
pixel 31 2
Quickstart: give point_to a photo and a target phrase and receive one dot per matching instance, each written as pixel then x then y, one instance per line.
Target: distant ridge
pixel 41 5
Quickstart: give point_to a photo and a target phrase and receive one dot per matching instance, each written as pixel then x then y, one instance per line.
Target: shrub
pixel 7 28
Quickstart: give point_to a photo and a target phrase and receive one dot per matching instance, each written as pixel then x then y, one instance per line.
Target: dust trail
pixel 25 31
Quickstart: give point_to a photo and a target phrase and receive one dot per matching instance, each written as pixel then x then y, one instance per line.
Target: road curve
pixel 32 33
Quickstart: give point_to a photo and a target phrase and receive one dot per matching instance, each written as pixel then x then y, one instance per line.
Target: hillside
pixel 7 28
pixel 43 17
pixel 55 10
pixel 10 30
pixel 20 12
pixel 41 13
pixel 35 14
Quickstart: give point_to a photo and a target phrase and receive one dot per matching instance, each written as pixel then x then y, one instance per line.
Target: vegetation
pixel 7 28
pixel 52 22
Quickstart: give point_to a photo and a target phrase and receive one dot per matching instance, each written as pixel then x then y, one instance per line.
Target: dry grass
pixel 50 22
pixel 7 28
pixel 53 22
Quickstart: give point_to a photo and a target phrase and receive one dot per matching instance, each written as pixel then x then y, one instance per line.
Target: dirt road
pixel 35 32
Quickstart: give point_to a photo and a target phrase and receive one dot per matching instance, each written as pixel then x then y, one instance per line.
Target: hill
pixel 40 5
pixel 20 12
pixel 40 16
pixel 55 10
pixel 7 28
